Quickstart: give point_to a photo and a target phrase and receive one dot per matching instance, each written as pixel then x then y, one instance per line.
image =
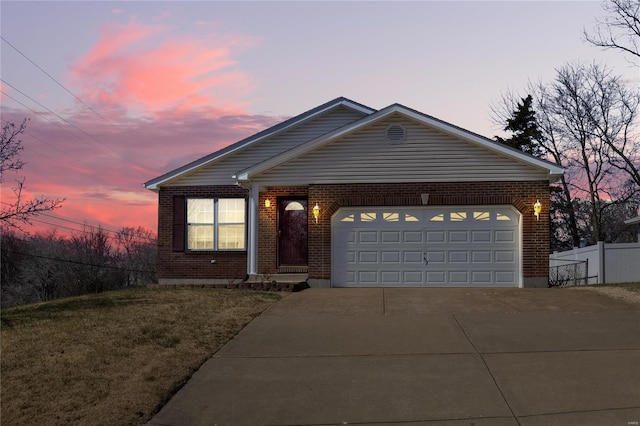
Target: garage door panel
pixel 390 257
pixel 504 277
pixel 390 237
pixel 368 257
pixel 505 236
pixel 505 256
pixel 412 257
pixel 436 257
pixel 413 277
pixel 481 236
pixel 435 236
pixel 481 256
pixel 391 277
pixel 482 277
pixel 368 237
pixel 413 236
pixel 459 257
pixel 463 246
pixel 459 277
pixel 436 277
pixel 368 277
pixel 458 236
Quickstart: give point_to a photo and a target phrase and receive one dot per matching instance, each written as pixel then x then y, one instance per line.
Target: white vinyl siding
pixel 427 155
pixel 221 172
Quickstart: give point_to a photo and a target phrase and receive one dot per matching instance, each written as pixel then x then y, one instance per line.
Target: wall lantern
pixel 537 208
pixel 316 212
pixel 267 203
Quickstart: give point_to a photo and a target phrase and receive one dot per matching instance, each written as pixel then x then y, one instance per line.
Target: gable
pixel 222 172
pixel 219 167
pixel 427 155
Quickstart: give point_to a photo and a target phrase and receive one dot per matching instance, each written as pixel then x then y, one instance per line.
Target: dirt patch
pixel 620 293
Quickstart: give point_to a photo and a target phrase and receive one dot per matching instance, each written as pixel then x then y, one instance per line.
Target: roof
pixel 553 170
pixel 154 184
pixel 633 221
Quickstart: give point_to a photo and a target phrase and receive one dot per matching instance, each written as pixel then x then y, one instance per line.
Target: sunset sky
pixel 135 89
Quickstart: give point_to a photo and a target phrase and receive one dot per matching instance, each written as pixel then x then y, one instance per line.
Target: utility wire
pixel 56 81
pixel 40 114
pixel 82 263
pixel 60 117
pixel 88 226
pixel 85 231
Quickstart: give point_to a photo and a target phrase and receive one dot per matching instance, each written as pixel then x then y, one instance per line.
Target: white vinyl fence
pixel 605 263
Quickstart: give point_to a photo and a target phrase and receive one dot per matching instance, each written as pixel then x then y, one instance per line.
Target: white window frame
pixel 215 225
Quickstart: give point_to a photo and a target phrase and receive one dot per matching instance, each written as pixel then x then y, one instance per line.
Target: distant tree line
pixel 49 266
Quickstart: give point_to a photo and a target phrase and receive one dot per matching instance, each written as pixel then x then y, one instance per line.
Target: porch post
pixel 252 255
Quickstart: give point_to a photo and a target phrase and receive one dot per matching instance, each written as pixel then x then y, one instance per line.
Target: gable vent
pixel 396 133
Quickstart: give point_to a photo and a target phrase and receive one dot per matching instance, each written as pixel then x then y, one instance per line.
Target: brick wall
pixel 195 265
pixel 522 195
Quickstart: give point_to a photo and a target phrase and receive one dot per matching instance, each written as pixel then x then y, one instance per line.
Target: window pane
pixel 200 237
pixel 367 217
pixel 391 217
pixel 231 237
pixel 411 218
pixel 458 216
pixel 199 210
pixel 231 210
pixel 481 215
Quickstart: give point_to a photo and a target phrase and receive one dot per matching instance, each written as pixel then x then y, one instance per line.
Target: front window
pixel 216 223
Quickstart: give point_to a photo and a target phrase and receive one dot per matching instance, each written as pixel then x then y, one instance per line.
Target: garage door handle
pixel 424 257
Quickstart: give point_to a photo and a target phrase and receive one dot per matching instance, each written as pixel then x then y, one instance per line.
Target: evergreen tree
pixel 526 135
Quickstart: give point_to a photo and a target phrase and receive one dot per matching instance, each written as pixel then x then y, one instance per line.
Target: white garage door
pixel 425 246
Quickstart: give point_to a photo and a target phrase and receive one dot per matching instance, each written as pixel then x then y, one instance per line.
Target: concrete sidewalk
pixel 424 357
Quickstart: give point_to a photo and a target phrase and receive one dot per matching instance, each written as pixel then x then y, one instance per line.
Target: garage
pixel 435 246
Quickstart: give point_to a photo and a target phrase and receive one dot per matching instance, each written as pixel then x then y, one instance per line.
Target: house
pixel 635 222
pixel 344 195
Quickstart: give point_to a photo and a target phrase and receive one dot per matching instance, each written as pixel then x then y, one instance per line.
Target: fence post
pixel 601 271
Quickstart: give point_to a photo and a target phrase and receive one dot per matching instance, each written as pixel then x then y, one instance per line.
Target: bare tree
pixel 18 211
pixel 620 30
pixel 586 116
pixel 137 253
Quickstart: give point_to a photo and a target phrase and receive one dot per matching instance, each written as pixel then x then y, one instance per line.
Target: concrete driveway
pixel 424 357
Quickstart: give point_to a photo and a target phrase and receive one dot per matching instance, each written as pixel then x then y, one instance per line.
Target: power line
pixel 60 117
pixel 39 113
pixel 56 81
pixel 113 237
pixel 82 263
pixel 90 226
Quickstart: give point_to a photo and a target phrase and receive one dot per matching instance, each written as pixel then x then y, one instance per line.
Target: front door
pixel 292 232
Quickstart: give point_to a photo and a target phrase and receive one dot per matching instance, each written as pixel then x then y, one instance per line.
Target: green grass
pixel 113 358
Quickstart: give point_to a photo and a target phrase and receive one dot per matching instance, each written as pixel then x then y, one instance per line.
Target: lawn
pixel 113 358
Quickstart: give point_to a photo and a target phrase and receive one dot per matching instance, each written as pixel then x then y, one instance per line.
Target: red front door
pixel 292 232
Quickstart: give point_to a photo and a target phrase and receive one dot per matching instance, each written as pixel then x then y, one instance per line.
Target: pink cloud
pixel 148 68
pixel 105 188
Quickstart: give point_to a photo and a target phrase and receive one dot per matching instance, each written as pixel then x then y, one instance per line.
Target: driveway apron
pixel 424 357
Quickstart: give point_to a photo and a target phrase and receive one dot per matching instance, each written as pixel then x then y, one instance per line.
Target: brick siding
pixel 197 265
pixel 229 265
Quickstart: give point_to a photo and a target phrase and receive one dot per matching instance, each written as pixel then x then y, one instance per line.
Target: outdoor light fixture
pixel 267 203
pixel 537 208
pixel 316 212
